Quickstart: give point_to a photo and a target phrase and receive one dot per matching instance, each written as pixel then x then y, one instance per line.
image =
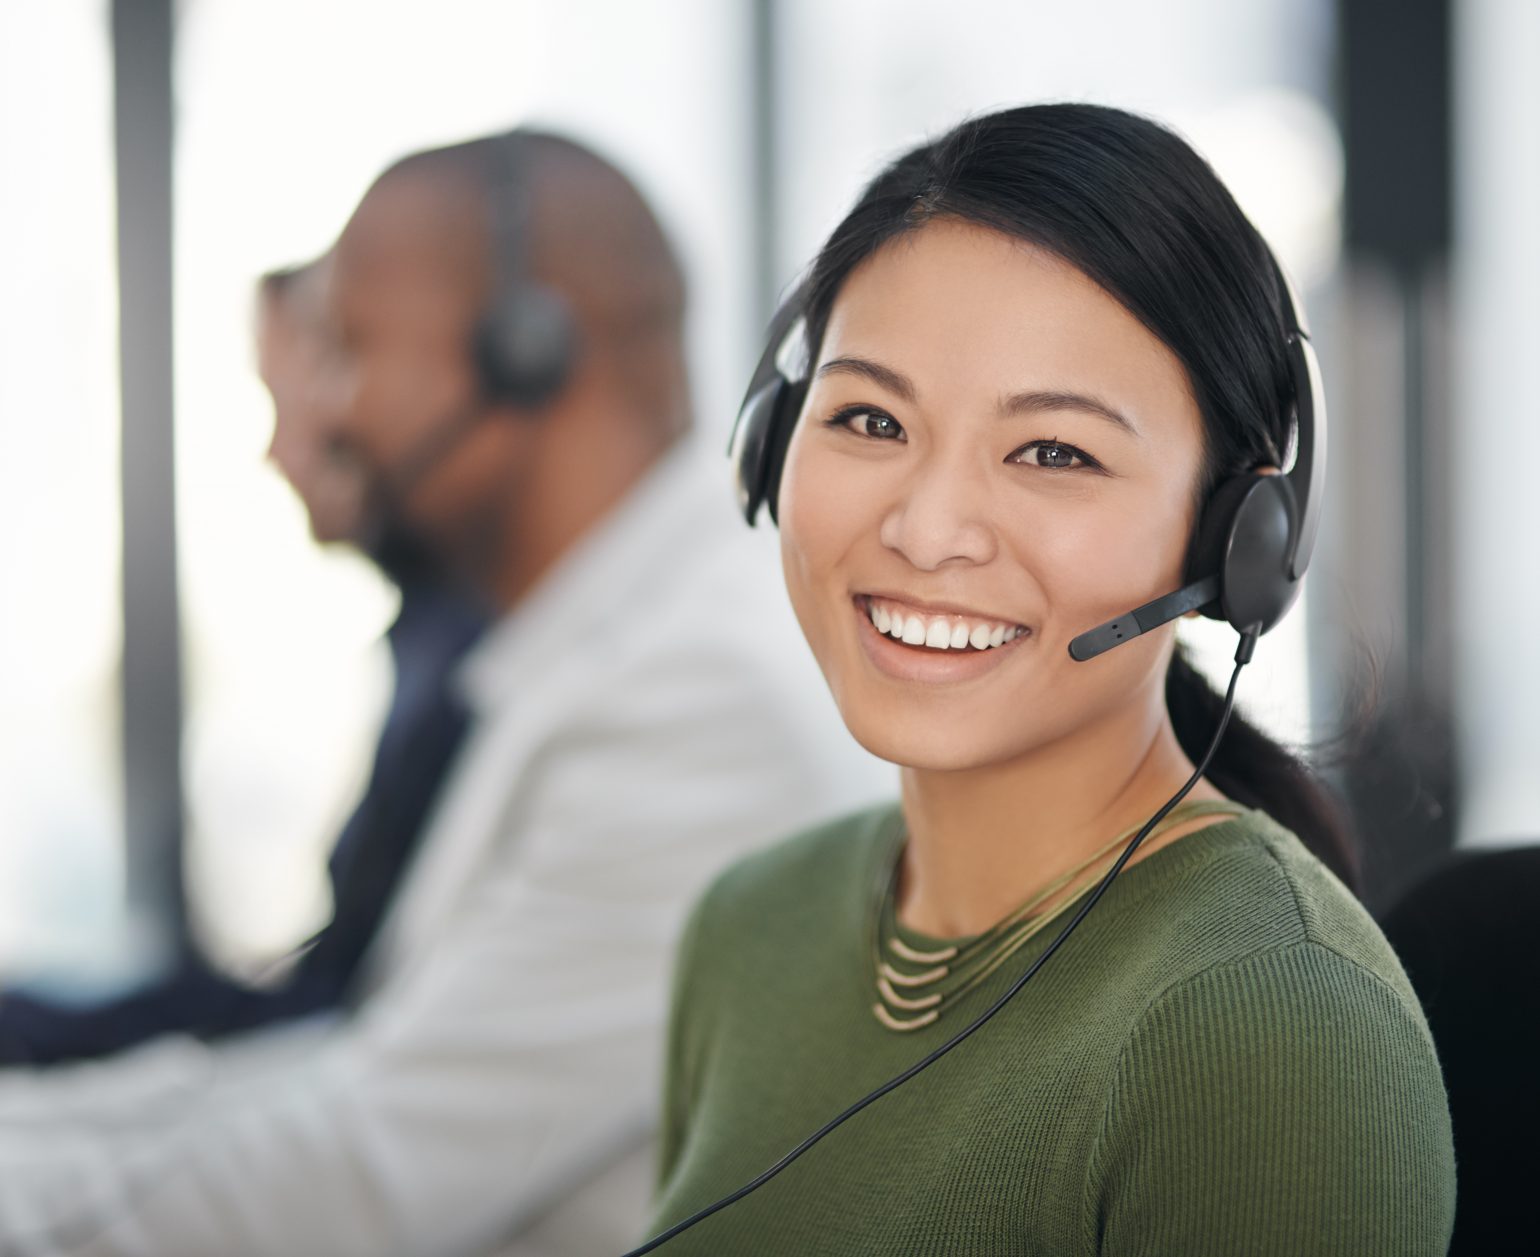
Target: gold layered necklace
pixel 915 987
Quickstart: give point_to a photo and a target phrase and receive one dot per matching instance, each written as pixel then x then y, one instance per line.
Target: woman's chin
pixel 911 744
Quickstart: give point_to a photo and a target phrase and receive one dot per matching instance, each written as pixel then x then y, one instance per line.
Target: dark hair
pixel 1132 206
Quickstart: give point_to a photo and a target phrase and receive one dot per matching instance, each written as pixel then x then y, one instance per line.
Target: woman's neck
pixel 982 840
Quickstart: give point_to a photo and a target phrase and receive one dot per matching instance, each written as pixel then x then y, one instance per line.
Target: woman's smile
pixel 910 640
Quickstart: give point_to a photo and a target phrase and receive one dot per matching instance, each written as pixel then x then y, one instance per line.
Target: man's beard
pixel 400 550
pixel 411 555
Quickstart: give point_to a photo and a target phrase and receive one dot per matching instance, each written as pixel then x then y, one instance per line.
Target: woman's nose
pixel 940 517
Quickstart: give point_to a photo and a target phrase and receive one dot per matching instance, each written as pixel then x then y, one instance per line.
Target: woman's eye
pixel 868 423
pixel 1053 456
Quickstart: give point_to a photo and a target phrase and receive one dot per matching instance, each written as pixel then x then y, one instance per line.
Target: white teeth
pixel 941 632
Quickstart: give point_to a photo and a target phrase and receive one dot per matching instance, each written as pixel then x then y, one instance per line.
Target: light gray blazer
pixel 648 714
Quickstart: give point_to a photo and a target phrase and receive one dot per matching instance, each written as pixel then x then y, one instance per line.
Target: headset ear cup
pixel 1206 555
pixel 747 450
pixel 760 437
pixel 783 422
pixel 1255 585
pixel 524 347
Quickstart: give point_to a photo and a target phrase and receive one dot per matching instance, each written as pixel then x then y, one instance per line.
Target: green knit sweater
pixel 1225 1058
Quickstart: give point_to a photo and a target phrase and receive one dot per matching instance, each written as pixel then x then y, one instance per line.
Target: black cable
pixel 1243 654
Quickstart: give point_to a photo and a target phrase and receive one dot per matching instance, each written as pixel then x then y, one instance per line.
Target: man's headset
pixel 1255 534
pixel 524 343
pixel 1247 558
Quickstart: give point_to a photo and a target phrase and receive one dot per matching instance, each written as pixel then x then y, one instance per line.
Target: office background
pixel 166 615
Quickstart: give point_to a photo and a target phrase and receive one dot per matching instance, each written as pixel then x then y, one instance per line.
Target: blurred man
pixel 422 731
pixel 513 386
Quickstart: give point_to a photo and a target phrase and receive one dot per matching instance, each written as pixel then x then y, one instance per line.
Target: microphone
pixel 1151 615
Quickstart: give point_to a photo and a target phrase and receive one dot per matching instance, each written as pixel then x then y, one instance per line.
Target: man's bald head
pixel 584 228
pixel 421 261
pixel 450 225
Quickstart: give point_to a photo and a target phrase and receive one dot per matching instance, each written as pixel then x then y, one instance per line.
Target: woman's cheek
pixel 1114 560
pixel 1073 571
pixel 825 504
pixel 810 526
pixel 807 472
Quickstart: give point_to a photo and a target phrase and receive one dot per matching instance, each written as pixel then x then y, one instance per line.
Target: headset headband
pixel 1308 474
pixel 510 210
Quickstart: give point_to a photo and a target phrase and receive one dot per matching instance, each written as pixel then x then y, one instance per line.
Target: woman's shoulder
pixel 1281 1043
pixel 1248 942
pixel 798 897
pixel 1260 890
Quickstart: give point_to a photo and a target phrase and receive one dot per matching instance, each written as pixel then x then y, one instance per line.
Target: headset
pixel 1255 535
pixel 525 341
pixel 1245 563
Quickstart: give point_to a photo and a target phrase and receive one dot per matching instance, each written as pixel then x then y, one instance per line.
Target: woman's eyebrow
pixel 1034 402
pixel 1031 402
pixel 873 371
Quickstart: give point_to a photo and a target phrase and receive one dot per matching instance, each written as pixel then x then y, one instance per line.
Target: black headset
pixel 1254 537
pixel 525 342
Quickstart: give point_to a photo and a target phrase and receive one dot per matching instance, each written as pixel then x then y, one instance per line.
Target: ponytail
pixel 1255 771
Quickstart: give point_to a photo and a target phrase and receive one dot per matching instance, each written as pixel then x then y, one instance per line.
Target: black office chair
pixel 1469 936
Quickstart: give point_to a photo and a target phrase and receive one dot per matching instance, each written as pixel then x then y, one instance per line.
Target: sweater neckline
pixel 1129 885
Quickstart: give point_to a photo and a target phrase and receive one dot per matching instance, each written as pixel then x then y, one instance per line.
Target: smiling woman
pixel 1045 350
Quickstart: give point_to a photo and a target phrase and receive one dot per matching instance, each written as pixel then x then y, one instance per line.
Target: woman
pixel 1036 346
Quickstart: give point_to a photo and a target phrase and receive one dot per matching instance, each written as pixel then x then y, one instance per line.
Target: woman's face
pixel 994 456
